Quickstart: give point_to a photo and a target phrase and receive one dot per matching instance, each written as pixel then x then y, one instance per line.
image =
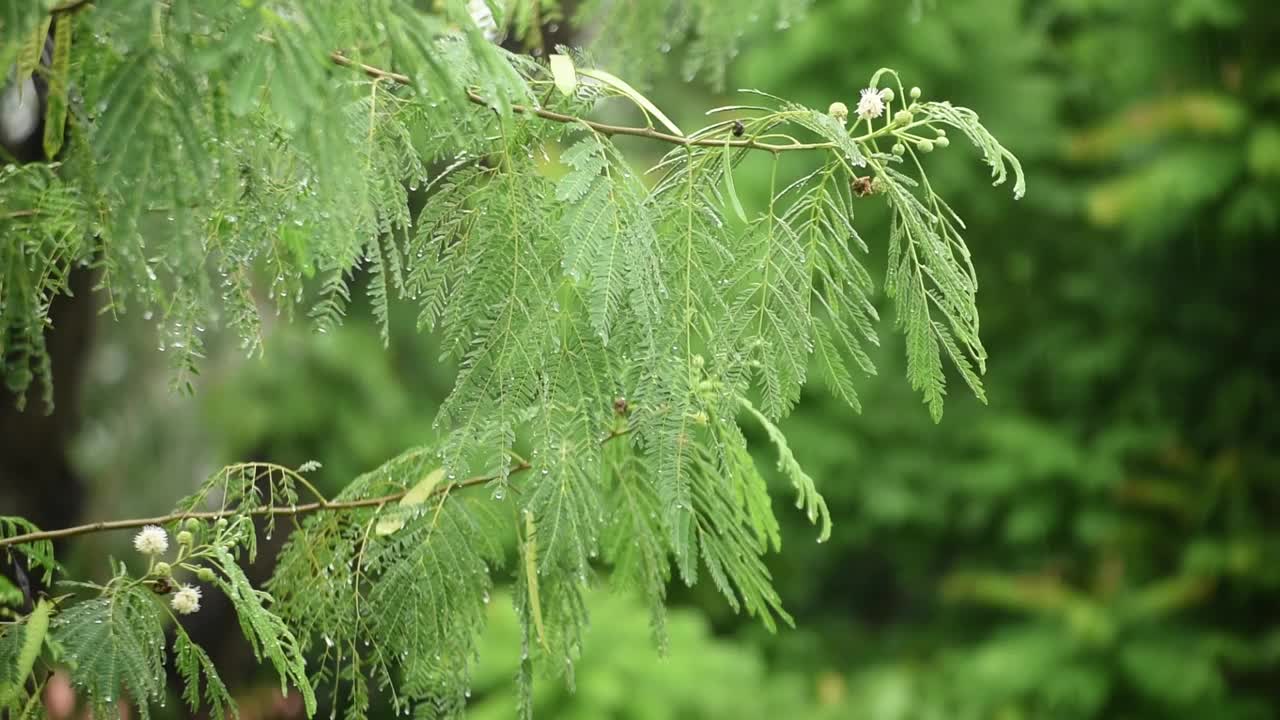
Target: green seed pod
pixel 162 569
pixel 925 146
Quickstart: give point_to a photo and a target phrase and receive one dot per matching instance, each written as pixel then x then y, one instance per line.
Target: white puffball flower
pixel 870 104
pixel 186 600
pixel 151 540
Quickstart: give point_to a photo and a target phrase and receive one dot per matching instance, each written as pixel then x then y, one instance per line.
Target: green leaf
pixel 417 495
pixel 530 555
pixel 728 182
pixel 621 86
pixel 564 74
pixel 34 628
pixel 56 101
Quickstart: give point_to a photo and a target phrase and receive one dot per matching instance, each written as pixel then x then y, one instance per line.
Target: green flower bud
pixel 839 111
pixel 205 574
pixel 185 538
pixel 925 146
pixel 193 524
pixel 887 94
pixel 162 569
pixel 903 117
pixel 698 361
pixel 943 141
pixel 942 132
pixel 899 149
pixel 915 93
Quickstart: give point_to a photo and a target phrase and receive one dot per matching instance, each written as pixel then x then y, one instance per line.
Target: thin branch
pixel 291 510
pixel 263 511
pixel 602 128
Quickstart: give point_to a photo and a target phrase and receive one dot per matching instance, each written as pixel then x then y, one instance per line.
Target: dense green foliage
pixel 1100 541
pixel 615 334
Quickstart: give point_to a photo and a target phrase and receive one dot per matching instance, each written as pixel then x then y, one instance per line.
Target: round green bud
pixel 915 93
pixel 698 361
pixel 925 146
pixel 185 538
pixel 942 141
pixel 899 149
pixel 221 523
pixel 205 574
pixel 942 132
pixel 903 117
pixel 887 94
pixel 162 569
pixel 193 524
pixel 839 111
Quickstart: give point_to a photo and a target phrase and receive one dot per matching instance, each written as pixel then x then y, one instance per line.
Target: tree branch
pixel 602 128
pixel 263 511
pixel 291 510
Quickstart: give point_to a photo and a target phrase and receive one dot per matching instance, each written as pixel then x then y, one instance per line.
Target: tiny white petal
pixel 186 600
pixel 151 540
pixel 870 104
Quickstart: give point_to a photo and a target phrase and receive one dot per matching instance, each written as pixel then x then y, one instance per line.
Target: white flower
pixel 186 600
pixel 870 104
pixel 151 540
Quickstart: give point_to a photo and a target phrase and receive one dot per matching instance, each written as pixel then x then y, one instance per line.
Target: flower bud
pixel 915 93
pixel 185 538
pixel 942 132
pixel 205 574
pixel 221 523
pixel 839 111
pixel 903 117
pixel 193 524
pixel 887 94
pixel 942 141
pixel 162 569
pixel 925 146
pixel 899 149
pixel 698 361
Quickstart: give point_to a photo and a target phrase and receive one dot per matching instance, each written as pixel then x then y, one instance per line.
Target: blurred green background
pixel 1101 541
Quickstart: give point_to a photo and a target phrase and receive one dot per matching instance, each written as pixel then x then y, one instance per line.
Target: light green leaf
pixel 36 626
pixel 531 576
pixel 621 86
pixel 565 75
pixel 417 495
pixel 728 181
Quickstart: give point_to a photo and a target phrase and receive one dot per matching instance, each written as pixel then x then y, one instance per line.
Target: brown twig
pixel 602 128
pixel 291 510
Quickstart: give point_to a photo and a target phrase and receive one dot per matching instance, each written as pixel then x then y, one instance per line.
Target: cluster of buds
pixel 153 542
